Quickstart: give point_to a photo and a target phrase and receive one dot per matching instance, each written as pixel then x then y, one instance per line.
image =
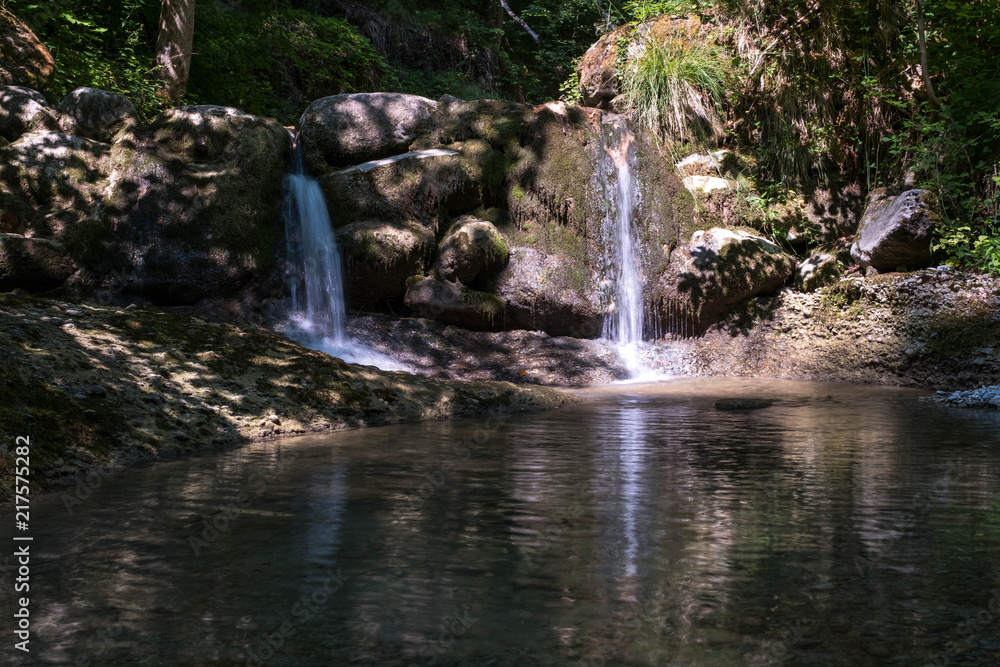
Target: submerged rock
pixel 895 231
pixel 743 403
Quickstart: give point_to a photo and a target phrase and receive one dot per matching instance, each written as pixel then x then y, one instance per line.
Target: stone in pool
pixel 742 403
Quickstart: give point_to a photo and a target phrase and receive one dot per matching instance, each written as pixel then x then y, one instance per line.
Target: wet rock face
pixel 379 257
pixel 96 114
pixel 715 271
pixel 24 60
pixel 895 231
pixel 548 293
pixel 451 303
pixel 344 130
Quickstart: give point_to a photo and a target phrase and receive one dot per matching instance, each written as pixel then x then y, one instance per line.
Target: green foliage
pixel 98 44
pixel 676 86
pixel 276 63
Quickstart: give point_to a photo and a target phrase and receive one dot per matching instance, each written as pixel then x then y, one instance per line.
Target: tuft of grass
pixel 676 86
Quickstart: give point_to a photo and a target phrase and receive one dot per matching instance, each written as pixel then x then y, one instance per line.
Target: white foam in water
pixel 317 315
pixel 624 326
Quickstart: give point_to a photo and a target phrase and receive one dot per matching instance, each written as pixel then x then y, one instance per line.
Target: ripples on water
pixel 843 526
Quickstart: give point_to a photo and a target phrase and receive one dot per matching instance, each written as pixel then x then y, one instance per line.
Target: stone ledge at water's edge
pixel 930 328
pixel 97 387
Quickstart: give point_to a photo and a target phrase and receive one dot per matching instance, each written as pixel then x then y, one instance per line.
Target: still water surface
pixel 845 525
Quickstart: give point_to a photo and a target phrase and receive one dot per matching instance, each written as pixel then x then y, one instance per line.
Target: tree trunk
pixel 922 43
pixel 173 47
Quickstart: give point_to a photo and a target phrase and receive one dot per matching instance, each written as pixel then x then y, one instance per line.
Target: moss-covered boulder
pixel 550 293
pixel 895 231
pixel 24 110
pixel 456 304
pixel 714 272
pixel 349 129
pixel 472 251
pixel 96 114
pixel 193 204
pixel 380 256
pixel 818 271
pixel 49 181
pixel 24 60
pixel 597 69
pixel 35 265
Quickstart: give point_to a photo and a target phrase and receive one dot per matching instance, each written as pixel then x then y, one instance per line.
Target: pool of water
pixel 844 525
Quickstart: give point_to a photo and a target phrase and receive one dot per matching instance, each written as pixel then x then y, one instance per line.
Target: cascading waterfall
pixel 620 239
pixel 315 275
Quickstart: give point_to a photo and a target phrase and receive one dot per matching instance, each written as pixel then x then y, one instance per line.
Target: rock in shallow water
pixel 743 403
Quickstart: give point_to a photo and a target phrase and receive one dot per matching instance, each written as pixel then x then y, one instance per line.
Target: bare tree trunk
pixel 921 36
pixel 173 47
pixel 519 20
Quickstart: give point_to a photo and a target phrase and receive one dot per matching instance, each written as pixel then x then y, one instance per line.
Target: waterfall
pixel 317 314
pixel 624 324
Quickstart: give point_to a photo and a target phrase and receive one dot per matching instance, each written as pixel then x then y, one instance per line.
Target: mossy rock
pixel 456 304
pixel 35 265
pixel 24 60
pixel 97 114
pixel 24 110
pixel 380 256
pixel 472 250
pixel 718 269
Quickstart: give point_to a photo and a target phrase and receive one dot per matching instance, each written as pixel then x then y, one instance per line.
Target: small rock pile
pixel 983 397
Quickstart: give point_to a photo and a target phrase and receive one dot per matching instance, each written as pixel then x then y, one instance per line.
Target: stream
pixel 844 525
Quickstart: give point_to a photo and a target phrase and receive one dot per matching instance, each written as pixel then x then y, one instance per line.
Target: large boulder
pixel 550 293
pixel 97 114
pixel 349 129
pixel 471 250
pixel 895 231
pixel 597 69
pixel 714 272
pixel 24 110
pixel 456 304
pixel 380 256
pixel 49 181
pixel 194 204
pixel 24 60
pixel 35 265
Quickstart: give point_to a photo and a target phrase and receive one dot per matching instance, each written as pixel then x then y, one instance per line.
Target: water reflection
pixel 842 526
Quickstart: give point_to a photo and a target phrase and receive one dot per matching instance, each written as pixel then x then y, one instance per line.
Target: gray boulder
pixel 451 303
pixel 817 271
pixel 24 110
pixel 550 293
pixel 349 129
pixel 379 257
pixel 895 231
pixel 472 249
pixel 97 114
pixel 714 272
pixel 35 265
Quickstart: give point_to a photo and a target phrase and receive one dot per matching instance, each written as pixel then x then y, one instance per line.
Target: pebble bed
pixel 983 397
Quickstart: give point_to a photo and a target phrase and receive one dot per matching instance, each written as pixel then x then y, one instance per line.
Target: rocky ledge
pixel 97 386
